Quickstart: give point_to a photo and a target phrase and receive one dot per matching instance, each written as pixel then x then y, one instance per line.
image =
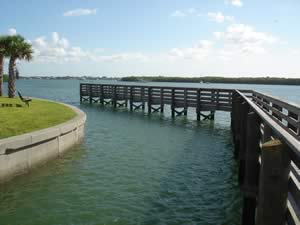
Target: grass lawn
pixel 41 114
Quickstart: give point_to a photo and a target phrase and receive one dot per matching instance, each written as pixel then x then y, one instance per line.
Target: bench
pixel 24 99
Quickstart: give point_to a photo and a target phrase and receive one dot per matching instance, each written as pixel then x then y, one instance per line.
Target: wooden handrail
pixel 280 132
pixel 284 179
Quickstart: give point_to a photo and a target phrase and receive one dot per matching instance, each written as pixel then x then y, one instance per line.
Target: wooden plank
pixel 273 184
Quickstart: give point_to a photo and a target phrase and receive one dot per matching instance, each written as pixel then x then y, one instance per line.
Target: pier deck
pixel 266 136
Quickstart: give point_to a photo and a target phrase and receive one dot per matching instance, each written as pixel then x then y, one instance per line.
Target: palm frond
pixel 20 49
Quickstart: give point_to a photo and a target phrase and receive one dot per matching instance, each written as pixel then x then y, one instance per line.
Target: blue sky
pixel 157 37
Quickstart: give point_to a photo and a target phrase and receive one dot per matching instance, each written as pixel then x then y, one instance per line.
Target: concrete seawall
pixel 19 154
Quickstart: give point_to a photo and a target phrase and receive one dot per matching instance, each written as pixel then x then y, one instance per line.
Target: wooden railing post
pixel 295 117
pixel 273 184
pixel 161 100
pixel 250 184
pixel 173 103
pixel 149 99
pixel 244 109
pixel 131 99
pixel 237 125
pixel 80 90
pixel 233 112
pixel 90 93
pixel 279 108
pixel 185 102
pixel 143 97
pixel 198 109
pixel 101 94
pixel 214 100
pixel 126 96
pixel 114 96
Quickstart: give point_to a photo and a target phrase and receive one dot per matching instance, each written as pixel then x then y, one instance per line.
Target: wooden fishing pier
pixel 266 136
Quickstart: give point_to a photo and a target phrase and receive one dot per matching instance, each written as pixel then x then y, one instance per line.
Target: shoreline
pixel 19 154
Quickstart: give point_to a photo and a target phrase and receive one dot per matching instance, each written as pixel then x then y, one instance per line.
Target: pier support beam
pixel 101 95
pixel 210 116
pixel 198 107
pixel 131 99
pixel 126 96
pixel 250 184
pixel 161 100
pixel 157 109
pixel 149 100
pixel 114 96
pixel 273 184
pixel 236 125
pixel 267 133
pixel 244 109
pixel 173 103
pixel 185 103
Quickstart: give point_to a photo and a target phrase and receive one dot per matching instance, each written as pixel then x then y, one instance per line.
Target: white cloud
pixel 236 40
pixel 59 50
pixel 12 31
pixel 219 17
pixel 178 13
pixel 80 12
pixel 201 50
pixel 243 39
pixel 237 3
pixel 239 49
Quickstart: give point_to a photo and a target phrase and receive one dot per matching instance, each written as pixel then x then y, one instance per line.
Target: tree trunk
pixel 1 73
pixel 12 78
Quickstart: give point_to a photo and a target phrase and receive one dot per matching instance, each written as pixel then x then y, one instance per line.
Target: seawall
pixel 19 154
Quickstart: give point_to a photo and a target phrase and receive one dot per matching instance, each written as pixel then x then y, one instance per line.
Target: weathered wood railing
pixel 266 134
pixel 156 97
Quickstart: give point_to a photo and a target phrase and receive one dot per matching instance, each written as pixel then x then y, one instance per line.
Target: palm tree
pixel 4 40
pixel 18 49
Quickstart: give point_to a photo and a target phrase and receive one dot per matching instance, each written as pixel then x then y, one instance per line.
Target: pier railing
pixel 156 97
pixel 266 134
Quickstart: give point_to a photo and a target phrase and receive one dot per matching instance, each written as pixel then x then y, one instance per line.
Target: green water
pixel 131 169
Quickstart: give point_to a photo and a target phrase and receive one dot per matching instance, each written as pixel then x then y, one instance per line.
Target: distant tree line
pixel 209 79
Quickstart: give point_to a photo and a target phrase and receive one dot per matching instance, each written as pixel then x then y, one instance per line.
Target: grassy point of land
pixel 41 114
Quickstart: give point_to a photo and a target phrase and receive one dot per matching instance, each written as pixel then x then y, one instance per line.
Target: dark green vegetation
pixel 41 114
pixel 15 48
pixel 226 80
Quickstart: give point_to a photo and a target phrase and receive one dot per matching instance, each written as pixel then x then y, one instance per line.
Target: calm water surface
pixel 133 168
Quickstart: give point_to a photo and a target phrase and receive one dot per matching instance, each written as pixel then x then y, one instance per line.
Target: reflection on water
pixel 132 168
